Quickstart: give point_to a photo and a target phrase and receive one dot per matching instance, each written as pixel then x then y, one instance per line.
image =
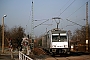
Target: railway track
pixel 72 56
pixel 63 57
pixel 82 57
pixel 40 54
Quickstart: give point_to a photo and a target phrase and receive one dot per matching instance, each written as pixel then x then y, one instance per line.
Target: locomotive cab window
pixel 63 38
pixel 58 38
pixel 55 38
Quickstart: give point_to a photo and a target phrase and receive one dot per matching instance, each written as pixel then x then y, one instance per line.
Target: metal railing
pixel 23 56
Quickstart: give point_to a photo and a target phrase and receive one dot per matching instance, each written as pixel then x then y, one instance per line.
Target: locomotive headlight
pixel 59 40
pixel 54 45
pixel 65 45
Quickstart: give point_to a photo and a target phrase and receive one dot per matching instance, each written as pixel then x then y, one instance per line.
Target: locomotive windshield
pixel 63 38
pixel 58 38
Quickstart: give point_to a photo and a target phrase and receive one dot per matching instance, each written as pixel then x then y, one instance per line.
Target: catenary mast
pixel 87 27
pixel 32 23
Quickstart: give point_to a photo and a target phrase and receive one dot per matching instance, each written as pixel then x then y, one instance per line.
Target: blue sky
pixel 19 13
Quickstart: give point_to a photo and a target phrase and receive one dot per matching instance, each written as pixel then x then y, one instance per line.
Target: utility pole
pixel 87 27
pixel 3 33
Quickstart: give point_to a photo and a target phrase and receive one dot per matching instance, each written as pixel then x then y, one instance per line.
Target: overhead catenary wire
pixel 73 22
pixel 40 24
pixel 74 12
pixel 63 6
pixel 77 9
pixel 66 8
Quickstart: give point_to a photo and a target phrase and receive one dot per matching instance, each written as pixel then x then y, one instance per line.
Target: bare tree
pixel 15 34
pixel 79 36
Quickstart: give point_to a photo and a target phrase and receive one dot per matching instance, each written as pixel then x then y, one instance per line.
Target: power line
pixel 73 13
pixel 40 23
pixel 67 7
pixel 63 6
pixel 73 22
pixel 77 9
